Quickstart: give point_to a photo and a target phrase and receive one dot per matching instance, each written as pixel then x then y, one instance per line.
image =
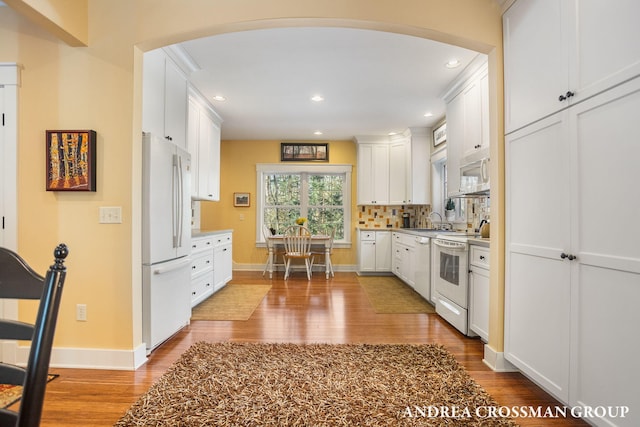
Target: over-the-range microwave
pixel 474 177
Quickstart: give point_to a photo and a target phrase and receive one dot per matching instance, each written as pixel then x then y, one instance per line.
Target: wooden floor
pixel 332 311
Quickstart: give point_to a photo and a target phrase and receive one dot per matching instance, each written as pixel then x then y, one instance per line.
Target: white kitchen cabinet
pixel 374 251
pixel 558 53
pixel 398 172
pixel 202 283
pixel 476 116
pixel 455 142
pixel 403 257
pixel 409 174
pixel 373 172
pixel 467 121
pixel 479 291
pixel 222 260
pixel 572 278
pixel 203 140
pixel 164 98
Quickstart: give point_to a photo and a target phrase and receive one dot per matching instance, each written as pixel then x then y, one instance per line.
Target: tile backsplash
pixel 391 216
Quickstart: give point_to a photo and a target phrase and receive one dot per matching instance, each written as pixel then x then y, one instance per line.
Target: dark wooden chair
pixel 19 281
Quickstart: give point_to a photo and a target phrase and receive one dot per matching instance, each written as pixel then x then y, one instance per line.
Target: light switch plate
pixel 110 215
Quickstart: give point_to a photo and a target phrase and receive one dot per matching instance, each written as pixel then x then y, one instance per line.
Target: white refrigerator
pixel 166 239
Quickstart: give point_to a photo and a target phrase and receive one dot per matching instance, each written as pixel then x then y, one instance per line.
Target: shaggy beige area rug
pixel 390 295
pixel 233 302
pixel 249 384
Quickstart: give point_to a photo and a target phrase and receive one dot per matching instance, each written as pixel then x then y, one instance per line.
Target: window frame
pixel 268 168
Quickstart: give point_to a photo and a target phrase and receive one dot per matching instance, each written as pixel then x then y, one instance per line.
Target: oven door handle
pixel 450 245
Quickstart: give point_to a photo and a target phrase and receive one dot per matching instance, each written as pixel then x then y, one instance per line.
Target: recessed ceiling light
pixel 428 114
pixel 317 98
pixel 219 98
pixel 453 63
pixel 318 132
pixel 392 133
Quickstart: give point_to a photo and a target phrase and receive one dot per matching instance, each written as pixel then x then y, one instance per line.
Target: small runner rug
pixel 233 302
pixel 390 295
pixel 10 394
pixel 251 384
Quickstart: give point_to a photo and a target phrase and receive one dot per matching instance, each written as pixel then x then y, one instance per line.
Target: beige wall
pixel 98 87
pixel 238 174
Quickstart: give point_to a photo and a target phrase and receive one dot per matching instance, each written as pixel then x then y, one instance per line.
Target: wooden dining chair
pixel 297 246
pixel 19 281
pixel 326 259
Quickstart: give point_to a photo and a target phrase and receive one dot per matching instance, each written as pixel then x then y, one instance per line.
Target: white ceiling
pixel 373 82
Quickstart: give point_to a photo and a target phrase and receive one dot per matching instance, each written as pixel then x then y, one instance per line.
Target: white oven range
pixel 450 268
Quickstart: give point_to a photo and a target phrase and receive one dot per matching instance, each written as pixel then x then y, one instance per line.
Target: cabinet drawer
pixel 201 286
pixel 201 262
pixel 405 239
pixel 367 235
pixel 201 243
pixel 221 239
pixel 479 256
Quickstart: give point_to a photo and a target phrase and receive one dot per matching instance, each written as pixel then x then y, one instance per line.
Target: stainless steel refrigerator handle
pixel 180 201
pixel 174 191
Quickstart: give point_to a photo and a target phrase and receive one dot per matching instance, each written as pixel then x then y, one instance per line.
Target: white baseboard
pixel 496 361
pixel 86 358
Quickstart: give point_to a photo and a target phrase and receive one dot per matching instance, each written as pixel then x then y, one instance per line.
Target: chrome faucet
pixel 437 213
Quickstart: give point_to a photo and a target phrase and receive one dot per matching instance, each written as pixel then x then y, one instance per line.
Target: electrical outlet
pixel 81 312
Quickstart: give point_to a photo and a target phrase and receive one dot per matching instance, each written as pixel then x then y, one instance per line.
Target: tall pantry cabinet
pixel 572 253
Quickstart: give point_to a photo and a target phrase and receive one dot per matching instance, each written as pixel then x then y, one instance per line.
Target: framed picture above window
pixel 304 152
pixel 440 135
pixel 241 199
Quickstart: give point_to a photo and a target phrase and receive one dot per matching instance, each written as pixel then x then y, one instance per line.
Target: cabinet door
pixel 367 255
pixel 472 118
pixel 535 60
pixel 537 282
pixel 398 173
pixel 605 51
pixel 479 302
pixel 205 154
pixel 175 105
pixel 606 273
pixel 373 174
pixel 455 142
pixel 153 72
pixel 383 251
pixel 193 141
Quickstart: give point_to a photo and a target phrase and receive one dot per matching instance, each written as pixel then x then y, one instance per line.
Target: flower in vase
pixel 301 220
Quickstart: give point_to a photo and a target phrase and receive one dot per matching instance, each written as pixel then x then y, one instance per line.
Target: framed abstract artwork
pixel 71 160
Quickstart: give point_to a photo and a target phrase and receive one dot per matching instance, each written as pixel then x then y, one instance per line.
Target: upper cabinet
pixel 409 176
pixel 467 121
pixel 559 53
pixel 164 98
pixel 394 171
pixel 373 171
pixel 203 142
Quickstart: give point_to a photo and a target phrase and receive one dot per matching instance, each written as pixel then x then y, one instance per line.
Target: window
pixel 320 193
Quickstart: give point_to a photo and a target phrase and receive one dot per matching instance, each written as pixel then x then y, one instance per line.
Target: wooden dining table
pixel 316 239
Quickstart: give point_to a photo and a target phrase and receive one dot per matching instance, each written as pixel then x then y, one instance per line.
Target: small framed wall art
pixel 71 160
pixel 304 152
pixel 241 199
pixel 440 134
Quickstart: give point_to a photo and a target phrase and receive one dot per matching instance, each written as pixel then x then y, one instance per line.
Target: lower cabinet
pixel 374 251
pixel 403 254
pixel 211 265
pixel 479 291
pixel 222 260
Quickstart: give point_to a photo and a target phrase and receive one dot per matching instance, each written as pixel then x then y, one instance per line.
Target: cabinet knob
pixel 570 257
pixel 481 256
pixel 168 138
pixel 566 96
pixel 563 255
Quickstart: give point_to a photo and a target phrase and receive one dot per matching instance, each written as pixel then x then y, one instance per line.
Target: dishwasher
pixel 422 267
